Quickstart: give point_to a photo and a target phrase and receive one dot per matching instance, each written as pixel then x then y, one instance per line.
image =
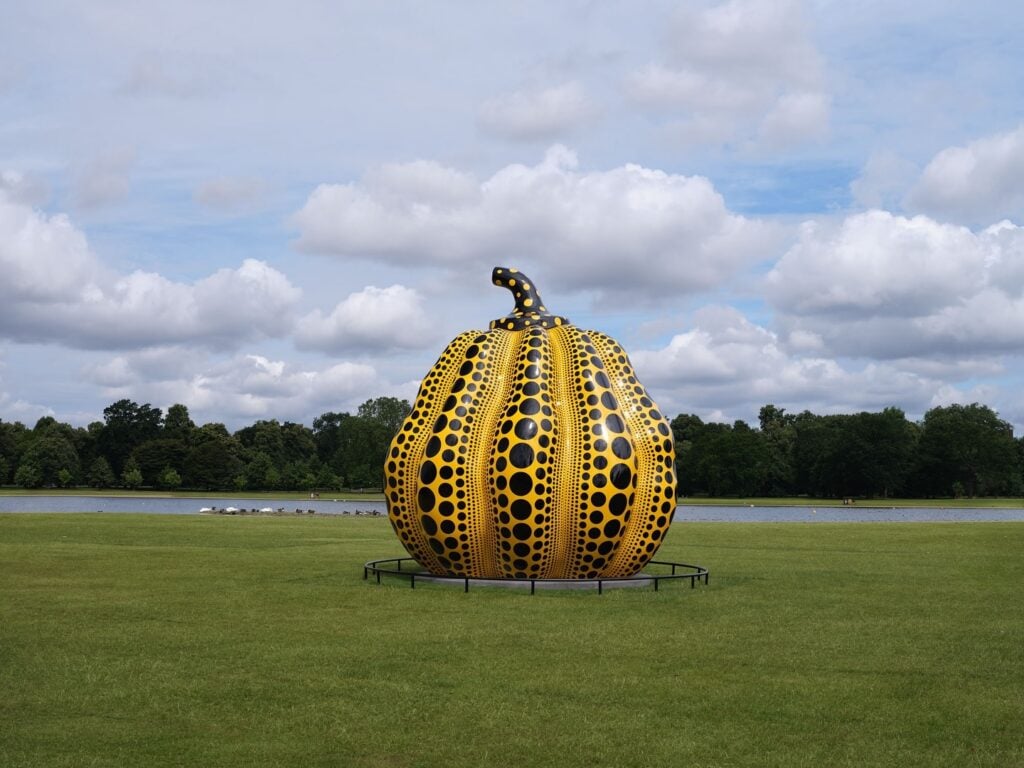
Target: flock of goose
pixel 278 511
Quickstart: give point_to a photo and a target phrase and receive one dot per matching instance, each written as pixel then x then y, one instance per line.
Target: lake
pixel 684 513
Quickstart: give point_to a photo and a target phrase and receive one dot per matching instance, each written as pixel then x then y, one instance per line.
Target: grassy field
pixel 151 640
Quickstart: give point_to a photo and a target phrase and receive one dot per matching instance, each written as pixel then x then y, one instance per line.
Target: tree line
pixel 139 446
pixel 956 450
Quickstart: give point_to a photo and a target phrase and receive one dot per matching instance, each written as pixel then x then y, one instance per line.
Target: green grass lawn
pixel 151 640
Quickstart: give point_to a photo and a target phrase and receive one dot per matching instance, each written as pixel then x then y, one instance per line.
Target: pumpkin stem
pixel 530 310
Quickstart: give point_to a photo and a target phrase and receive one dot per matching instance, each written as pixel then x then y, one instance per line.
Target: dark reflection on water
pixel 325 506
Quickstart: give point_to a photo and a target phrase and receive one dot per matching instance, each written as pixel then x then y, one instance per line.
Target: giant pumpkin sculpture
pixel 532 451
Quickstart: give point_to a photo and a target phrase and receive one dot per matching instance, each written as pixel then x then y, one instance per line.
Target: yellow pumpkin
pixel 532 451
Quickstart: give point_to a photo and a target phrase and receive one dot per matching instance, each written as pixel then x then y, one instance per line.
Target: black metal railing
pixel 392 566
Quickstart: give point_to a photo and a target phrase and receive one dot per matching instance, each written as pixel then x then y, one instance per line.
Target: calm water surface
pixel 684 513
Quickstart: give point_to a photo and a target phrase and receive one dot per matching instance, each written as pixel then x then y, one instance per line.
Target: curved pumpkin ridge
pixel 452 497
pixel 655 490
pixel 566 461
pixel 406 452
pixel 521 463
pixel 602 500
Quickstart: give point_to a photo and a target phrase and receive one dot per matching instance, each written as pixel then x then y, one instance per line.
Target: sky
pixel 269 211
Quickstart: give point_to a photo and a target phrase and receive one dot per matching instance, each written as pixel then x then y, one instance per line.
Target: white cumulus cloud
pixel 241 388
pixel 887 286
pixel 979 183
pixel 374 319
pixel 629 229
pixel 738 72
pixel 56 290
pixel 727 367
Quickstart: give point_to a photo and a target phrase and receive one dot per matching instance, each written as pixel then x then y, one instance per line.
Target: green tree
pixel 126 425
pixel 686 429
pixel 214 463
pixel 264 437
pixel 731 461
pixel 261 474
pixel 327 434
pixel 65 478
pixel 968 444
pixel 100 474
pixel 51 453
pixel 818 456
pixel 327 480
pixel 11 439
pixel 355 447
pixel 153 456
pixel 131 475
pixel 169 479
pixel 178 425
pixel 28 475
pixel 388 412
pixel 779 436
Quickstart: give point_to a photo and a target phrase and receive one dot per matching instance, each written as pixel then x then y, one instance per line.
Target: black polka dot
pixel 621 476
pixel 529 407
pixel 425 499
pixel 521 509
pixel 428 524
pixel 427 473
pixel 521 456
pixel 622 448
pixel 520 483
pixel 522 531
pixel 618 504
pixel 526 428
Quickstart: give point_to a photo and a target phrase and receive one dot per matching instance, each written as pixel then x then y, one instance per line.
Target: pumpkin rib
pixel 404 469
pixel 493 392
pixel 455 513
pixel 655 483
pixel 566 460
pixel 520 484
